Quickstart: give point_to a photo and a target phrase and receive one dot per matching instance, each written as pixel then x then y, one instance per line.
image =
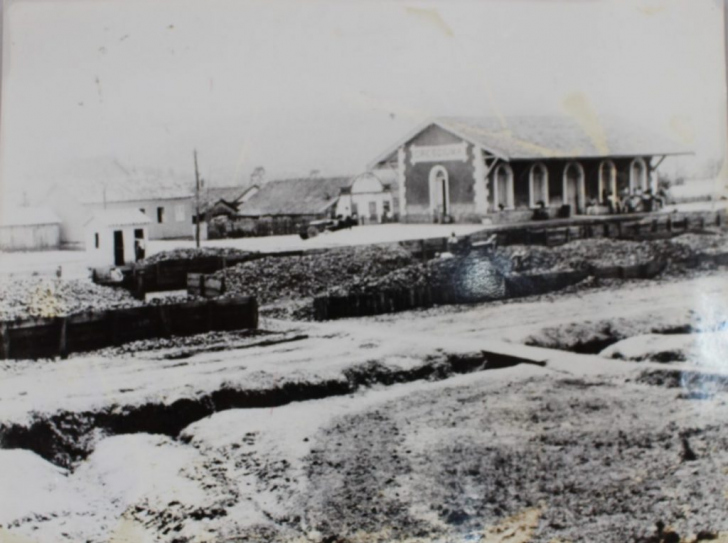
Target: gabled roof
pixel 307 196
pixel 28 216
pixel 119 217
pixel 127 188
pixel 542 137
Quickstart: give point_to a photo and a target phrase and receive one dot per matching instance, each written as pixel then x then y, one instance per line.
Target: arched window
pixel 439 191
pixel 638 175
pixel 539 185
pixel 503 187
pixel 607 180
pixel 573 187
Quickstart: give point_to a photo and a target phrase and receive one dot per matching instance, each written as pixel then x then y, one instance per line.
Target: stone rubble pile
pixel 47 298
pixel 36 297
pixel 279 278
pixel 191 254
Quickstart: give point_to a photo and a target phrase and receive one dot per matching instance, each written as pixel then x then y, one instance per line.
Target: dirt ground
pixel 492 422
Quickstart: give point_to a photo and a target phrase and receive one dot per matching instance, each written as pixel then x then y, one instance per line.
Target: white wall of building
pixel 29 237
pixel 103 254
pixel 368 198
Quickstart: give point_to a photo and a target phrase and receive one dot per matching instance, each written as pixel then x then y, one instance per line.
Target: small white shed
pixel 112 234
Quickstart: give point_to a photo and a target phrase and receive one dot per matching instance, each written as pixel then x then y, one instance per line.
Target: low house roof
pixel 28 216
pixel 543 137
pixel 128 188
pixel 119 217
pixel 307 196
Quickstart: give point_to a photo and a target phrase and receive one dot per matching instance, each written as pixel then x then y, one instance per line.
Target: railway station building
pixel 491 169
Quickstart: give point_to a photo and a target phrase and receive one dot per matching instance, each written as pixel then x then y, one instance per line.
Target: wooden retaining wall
pixel 394 300
pixel 638 227
pixel 49 338
pixel 517 285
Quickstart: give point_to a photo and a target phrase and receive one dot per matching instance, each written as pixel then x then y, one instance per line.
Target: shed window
pixel 160 215
pixel 143 210
pixel 96 240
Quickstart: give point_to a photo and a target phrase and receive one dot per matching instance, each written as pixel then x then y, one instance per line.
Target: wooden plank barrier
pixel 49 338
pixel 393 300
pixel 205 286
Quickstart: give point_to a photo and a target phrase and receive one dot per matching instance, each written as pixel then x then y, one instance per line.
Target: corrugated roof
pixel 541 137
pixel 309 196
pixel 120 217
pixel 129 188
pixel 28 216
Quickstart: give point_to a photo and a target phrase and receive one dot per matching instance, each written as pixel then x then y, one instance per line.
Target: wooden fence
pixel 48 338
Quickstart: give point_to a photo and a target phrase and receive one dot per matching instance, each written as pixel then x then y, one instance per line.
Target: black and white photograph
pixel 363 271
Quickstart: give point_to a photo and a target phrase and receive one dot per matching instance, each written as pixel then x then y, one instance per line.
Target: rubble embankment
pixel 287 285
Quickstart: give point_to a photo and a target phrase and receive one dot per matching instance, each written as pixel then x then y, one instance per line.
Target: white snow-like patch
pixel 707 349
pixel 90 503
pixel 142 466
pixel 31 486
pixel 359 235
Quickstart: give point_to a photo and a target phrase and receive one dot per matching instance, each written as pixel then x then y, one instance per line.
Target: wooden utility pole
pixel 197 203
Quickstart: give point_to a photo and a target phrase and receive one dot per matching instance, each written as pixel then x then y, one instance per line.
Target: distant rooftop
pixel 129 188
pixel 28 216
pixel 305 196
pixel 120 217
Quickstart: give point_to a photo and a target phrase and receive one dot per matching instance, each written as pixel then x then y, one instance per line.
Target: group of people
pixel 630 202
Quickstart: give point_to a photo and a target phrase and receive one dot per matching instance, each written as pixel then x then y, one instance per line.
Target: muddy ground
pixel 492 422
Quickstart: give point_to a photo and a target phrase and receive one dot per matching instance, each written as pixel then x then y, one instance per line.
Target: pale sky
pixel 297 86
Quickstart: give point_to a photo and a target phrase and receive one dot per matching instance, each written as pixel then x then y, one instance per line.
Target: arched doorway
pixel 439 192
pixel 638 175
pixel 503 187
pixel 607 181
pixel 574 187
pixel 539 189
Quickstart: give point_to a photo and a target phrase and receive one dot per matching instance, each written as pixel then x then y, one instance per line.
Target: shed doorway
pixel 439 192
pixel 574 187
pixel 503 188
pixel 118 248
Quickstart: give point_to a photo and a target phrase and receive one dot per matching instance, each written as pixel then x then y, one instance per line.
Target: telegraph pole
pixel 197 203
